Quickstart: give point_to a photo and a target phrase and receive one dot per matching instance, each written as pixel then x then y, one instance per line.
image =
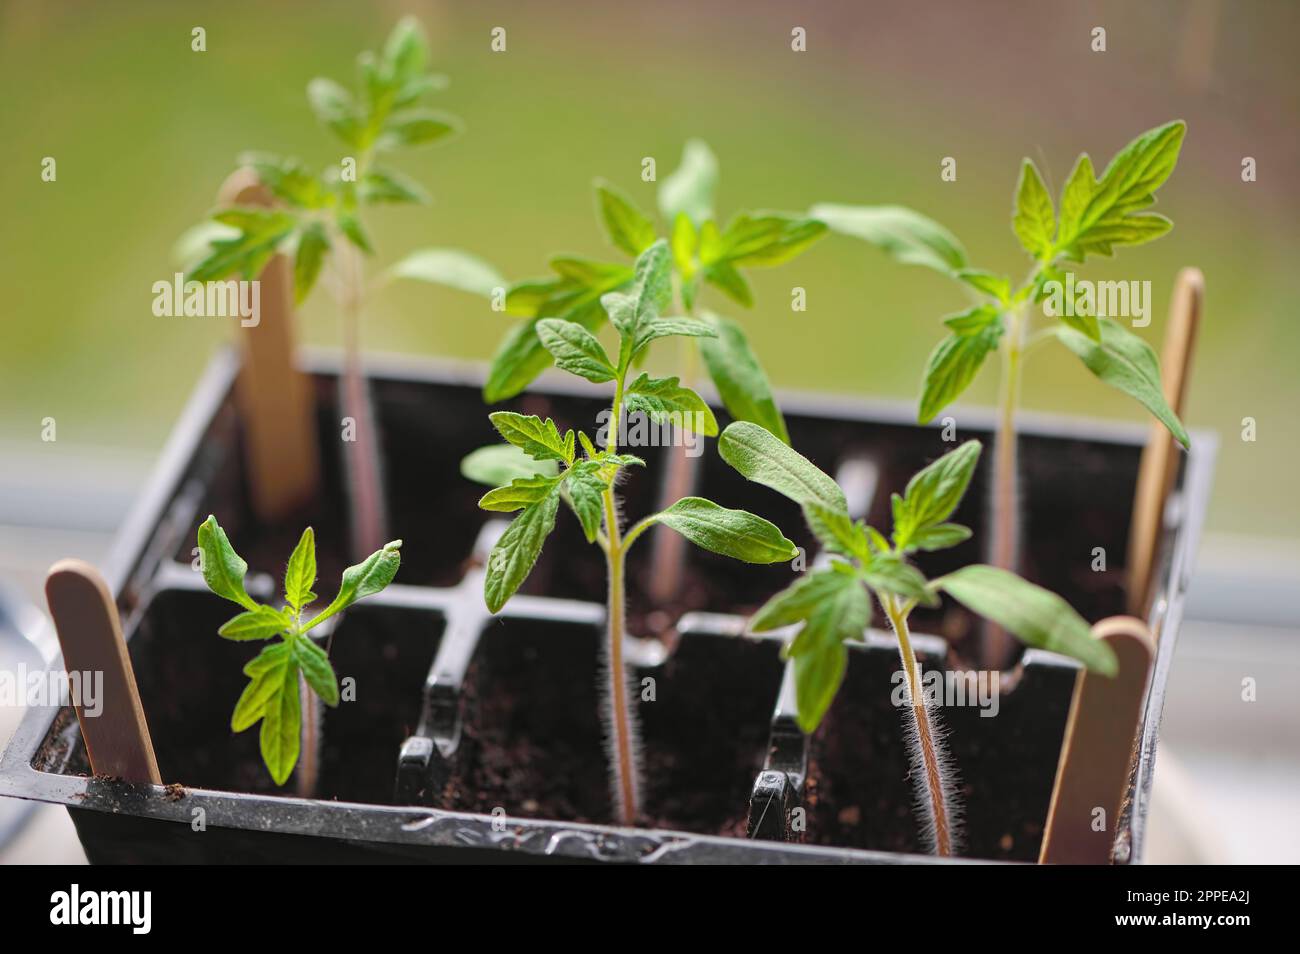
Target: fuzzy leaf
pixel 649 296
pixel 223 570
pixel 889 573
pixel 665 399
pixel 266 677
pixel 540 440
pixel 317 670
pixel 512 559
pixel 521 493
pixel 733 533
pixel 740 379
pixel 952 366
pixel 301 572
pixel 575 349
pixel 585 488
pixel 364 579
pixel 837 531
pixel 654 328
pixel 1127 363
pixel 261 623
pixel 933 493
pixel 1037 617
pixel 763 458
pixel 281 724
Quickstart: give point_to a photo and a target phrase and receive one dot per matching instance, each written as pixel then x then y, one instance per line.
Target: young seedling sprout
pixel 1092 217
pixel 832 605
pixel 703 253
pixel 319 219
pixel 287 676
pixel 552 470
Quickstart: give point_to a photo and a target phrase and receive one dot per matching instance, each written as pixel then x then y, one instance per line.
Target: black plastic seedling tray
pixel 475 738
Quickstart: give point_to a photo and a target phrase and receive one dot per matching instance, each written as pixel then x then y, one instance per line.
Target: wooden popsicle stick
pixel 275 398
pixel 1160 456
pixel 90 633
pixel 1097 750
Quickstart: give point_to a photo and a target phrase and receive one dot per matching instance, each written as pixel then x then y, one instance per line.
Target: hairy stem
pixel 932 774
pixel 997 648
pixel 621 731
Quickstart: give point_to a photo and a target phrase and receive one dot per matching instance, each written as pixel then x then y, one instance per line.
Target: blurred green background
pixel 144 130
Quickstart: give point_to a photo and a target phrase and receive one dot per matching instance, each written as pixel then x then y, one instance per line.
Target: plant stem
pixel 997 647
pixel 622 727
pixel 931 762
pixel 361 456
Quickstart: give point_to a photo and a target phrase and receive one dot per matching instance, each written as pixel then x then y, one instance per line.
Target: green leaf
pixel 317 670
pixel 266 677
pixel 1035 220
pixel 364 579
pixel 941 536
pixel 733 533
pixel 350 225
pixel 650 294
pixel 688 190
pixel 288 179
pixel 498 464
pixel 260 234
pixel 575 349
pixel 539 439
pixel 281 724
pixel 1034 615
pixel 653 328
pixel 628 227
pixel 223 570
pixel 334 106
pixel 996 286
pixel 908 236
pixel 933 493
pixel 512 559
pixel 665 399
pixel 417 128
pixel 952 366
pixel 764 458
pixel 684 241
pixel 261 623
pixel 521 493
pixel 1126 363
pixel 313 243
pixel 406 53
pixel 585 488
pixel 837 531
pixel 387 185
pixel 725 276
pixel 1097 215
pixel 301 573
pixel 835 608
pixel 767 238
pixel 890 573
pixel 450 267
pixel 588 273
pixel 740 379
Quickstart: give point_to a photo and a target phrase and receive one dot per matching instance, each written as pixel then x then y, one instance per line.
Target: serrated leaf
pixel 223 570
pixel 767 238
pixel 1127 363
pixel 266 677
pixel 649 296
pixel 764 458
pixel 837 531
pixel 301 572
pixel 520 493
pixel 1035 220
pixel 260 234
pixel 575 349
pixel 585 488
pixel 628 227
pixel 498 464
pixel 261 623
pixel 653 328
pixel 911 238
pixel 688 189
pixel 740 379
pixel 539 439
pixel 996 286
pixel 934 492
pixel 512 559
pixel 317 670
pixel 281 725
pixel 288 179
pixel 665 399
pixel 889 573
pixel 1034 615
pixel 952 366
pixel 733 533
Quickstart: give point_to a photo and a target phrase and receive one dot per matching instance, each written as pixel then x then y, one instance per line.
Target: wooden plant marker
pixel 90 633
pixel 276 403
pixel 1160 456
pixel 1097 751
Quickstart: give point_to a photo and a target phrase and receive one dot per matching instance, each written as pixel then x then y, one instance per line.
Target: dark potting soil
pixel 860 791
pixel 532 740
pixel 189 680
